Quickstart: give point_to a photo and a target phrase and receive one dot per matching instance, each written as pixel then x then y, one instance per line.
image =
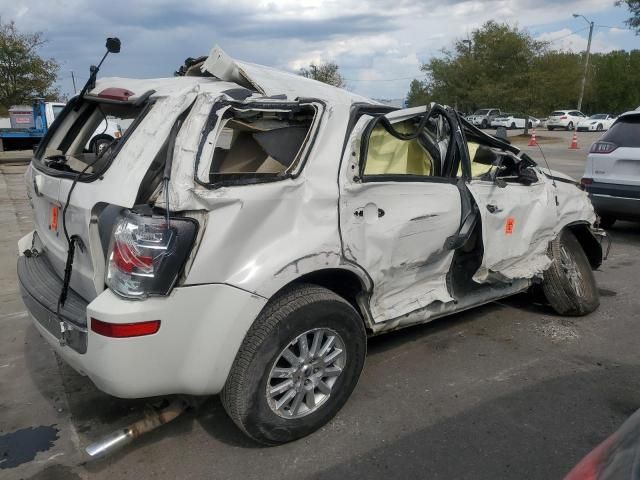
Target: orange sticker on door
pixel 510 225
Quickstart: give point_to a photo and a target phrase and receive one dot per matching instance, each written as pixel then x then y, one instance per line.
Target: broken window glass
pixel 254 143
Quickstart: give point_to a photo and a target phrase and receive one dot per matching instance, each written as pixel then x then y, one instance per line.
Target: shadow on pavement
pixel 506 437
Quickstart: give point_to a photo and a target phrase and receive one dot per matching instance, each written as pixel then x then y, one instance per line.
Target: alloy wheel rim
pixel 303 375
pixel 572 271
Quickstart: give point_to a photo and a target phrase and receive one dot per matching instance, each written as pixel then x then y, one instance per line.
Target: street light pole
pixel 586 61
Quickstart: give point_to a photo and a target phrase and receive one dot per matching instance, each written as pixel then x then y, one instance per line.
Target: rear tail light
pixel 603 147
pixel 146 255
pixel 564 117
pixel 585 181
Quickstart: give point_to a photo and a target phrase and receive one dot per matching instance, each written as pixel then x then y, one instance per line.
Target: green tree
pixel 418 94
pixel 328 72
pixel 23 73
pixel 634 8
pixel 495 68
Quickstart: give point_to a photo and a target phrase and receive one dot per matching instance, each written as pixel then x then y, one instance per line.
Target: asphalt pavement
pixel 509 390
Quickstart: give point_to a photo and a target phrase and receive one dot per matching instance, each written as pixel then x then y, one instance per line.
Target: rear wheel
pixel 607 221
pixel 550 129
pixel 297 366
pixel 569 284
pixel 570 126
pixel 513 125
pixel 529 125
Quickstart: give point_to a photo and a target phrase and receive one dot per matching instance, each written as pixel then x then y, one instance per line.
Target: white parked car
pixel 566 119
pixel 482 118
pixel 596 123
pixel 612 172
pixel 513 120
pixel 252 227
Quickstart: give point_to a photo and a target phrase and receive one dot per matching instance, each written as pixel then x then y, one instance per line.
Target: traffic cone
pixel 574 142
pixel 532 141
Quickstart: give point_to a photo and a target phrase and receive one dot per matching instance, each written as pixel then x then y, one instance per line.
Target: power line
pixel 567 35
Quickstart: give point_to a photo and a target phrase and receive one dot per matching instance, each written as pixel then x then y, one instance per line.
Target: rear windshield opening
pixel 89 137
pixel 255 144
pixel 625 132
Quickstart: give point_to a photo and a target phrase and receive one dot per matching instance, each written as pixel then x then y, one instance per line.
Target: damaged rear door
pixel 398 207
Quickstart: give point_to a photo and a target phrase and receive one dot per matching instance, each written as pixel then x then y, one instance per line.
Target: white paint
pixel 255 239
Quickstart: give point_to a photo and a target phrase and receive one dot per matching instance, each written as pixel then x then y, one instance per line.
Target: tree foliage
pixel 634 8
pixel 328 72
pixel 23 73
pixel 505 67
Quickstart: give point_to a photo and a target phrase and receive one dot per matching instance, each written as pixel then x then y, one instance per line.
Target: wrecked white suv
pixel 251 228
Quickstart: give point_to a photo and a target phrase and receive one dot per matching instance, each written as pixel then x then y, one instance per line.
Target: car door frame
pixel 352 177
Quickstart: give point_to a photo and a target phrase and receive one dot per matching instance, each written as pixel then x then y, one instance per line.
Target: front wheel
pixel 297 366
pixel 550 129
pixel 484 124
pixel 599 128
pixel 569 284
pixel 570 126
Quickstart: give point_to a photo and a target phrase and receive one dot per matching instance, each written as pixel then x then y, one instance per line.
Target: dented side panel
pixel 260 237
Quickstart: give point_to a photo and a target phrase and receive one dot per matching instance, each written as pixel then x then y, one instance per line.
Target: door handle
pixel 359 212
pixel 493 208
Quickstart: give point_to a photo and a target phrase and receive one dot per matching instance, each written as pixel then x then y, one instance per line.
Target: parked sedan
pixel 596 123
pixel 514 120
pixel 612 172
pixel 566 119
pixel 252 228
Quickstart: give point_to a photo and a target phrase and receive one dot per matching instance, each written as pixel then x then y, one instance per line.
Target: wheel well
pixel 588 242
pixel 342 282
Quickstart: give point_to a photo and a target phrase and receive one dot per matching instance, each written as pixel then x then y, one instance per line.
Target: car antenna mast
pixel 113 46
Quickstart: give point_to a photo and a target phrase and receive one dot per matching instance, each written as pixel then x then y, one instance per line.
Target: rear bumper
pixel 201 330
pixel 621 201
pixel 40 288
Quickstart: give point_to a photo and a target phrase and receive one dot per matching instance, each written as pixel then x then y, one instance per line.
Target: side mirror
pixel 113 45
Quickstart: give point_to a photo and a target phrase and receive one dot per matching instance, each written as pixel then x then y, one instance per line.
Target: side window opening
pixel 409 152
pixel 255 144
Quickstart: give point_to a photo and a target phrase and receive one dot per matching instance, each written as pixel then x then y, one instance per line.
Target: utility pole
pixel 73 79
pixel 586 60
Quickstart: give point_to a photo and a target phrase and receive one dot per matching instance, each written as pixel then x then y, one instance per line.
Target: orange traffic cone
pixel 574 142
pixel 532 141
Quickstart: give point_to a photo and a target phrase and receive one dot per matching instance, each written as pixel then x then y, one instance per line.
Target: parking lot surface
pixel 509 390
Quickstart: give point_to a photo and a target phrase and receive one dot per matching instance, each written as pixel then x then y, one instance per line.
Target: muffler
pixel 153 419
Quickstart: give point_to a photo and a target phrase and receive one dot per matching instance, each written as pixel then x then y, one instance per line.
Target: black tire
pixel 529 125
pixel 566 296
pixel 286 317
pixel 484 124
pixel 99 143
pixel 569 126
pixel 599 128
pixel 550 129
pixel 607 221
pixel 513 125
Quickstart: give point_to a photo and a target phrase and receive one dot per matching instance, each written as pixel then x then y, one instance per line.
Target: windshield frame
pixel 38 162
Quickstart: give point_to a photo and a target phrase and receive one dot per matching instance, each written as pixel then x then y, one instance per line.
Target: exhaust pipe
pixel 118 439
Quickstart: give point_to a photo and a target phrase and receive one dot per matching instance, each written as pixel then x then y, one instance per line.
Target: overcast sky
pixel 379 44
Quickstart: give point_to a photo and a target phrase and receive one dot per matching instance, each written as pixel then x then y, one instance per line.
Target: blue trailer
pixel 25 138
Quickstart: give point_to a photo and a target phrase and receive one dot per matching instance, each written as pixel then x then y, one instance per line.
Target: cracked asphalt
pixel 508 390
